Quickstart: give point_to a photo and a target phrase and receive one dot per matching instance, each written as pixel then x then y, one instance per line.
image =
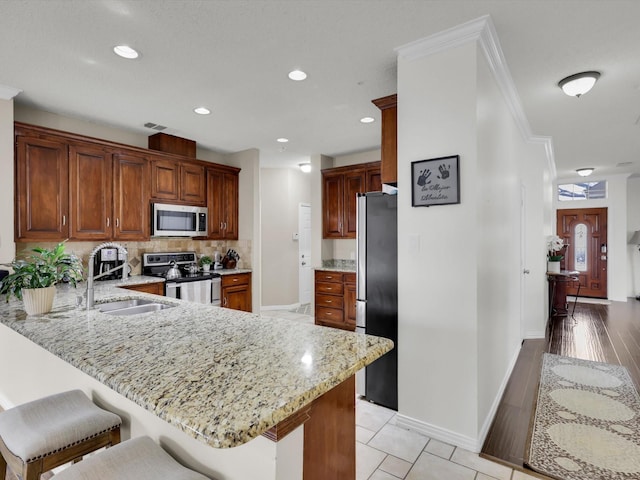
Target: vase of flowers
pixel 555 244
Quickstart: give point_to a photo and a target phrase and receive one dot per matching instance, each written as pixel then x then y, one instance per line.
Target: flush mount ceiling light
pixel 297 75
pixel 282 140
pixel 305 167
pixel 202 110
pixel 367 120
pixel 585 172
pixel 125 52
pixel 579 84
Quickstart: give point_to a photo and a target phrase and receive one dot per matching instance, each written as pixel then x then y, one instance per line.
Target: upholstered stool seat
pixel 40 435
pixel 137 459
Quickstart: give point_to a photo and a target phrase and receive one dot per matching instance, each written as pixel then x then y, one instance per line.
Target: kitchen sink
pixel 131 307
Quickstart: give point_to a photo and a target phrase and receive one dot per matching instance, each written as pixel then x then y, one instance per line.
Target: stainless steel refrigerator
pixel 377 292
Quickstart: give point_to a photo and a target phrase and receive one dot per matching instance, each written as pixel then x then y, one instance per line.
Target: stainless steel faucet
pixel 90 275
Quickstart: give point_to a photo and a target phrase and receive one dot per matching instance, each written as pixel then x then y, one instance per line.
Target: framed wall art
pixel 435 181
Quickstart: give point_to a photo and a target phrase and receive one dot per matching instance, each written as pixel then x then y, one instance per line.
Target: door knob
pixel 526 271
pixel 304 263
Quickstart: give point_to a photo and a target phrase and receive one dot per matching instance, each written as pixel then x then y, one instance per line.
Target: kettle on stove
pixel 173 272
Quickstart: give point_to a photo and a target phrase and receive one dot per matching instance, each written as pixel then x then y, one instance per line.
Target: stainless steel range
pixel 183 277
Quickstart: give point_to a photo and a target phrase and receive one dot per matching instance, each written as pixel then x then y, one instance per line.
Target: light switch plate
pixel 295 237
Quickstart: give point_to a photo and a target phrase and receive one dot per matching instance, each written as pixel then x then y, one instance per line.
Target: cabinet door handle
pixel 221 226
pixel 224 301
pixel 64 220
pixel 117 223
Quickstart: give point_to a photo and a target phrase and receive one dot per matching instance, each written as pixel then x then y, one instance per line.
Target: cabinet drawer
pixel 333 277
pixel 331 301
pixel 350 278
pixel 238 279
pixel 330 288
pixel 329 314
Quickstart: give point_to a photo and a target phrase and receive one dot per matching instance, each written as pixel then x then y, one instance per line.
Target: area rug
pixel 586 422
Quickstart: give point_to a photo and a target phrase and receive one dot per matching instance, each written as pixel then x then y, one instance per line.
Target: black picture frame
pixel 435 181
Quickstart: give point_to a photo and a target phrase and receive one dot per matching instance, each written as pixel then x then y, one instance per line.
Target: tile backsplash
pixel 136 249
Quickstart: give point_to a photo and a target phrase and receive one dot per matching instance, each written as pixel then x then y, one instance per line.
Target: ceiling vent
pixel 155 126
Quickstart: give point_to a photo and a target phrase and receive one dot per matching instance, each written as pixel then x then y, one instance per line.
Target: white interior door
pixel 305 272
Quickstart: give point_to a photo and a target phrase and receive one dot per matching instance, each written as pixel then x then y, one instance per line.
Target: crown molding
pixel 7 92
pixel 482 31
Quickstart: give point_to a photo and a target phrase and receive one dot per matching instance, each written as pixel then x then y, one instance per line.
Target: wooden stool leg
pixel 32 471
pixel 114 436
pixel 3 468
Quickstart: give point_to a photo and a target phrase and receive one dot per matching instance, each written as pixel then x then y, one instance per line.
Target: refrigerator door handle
pixel 361 314
pixel 361 248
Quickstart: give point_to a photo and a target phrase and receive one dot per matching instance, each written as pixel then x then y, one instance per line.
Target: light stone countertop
pixel 344 269
pixel 221 376
pixel 232 271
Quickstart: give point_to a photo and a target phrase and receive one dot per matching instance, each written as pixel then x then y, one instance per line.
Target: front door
pixel 585 232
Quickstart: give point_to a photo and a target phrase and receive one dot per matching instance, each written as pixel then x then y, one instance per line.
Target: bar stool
pixel 137 459
pixel 38 436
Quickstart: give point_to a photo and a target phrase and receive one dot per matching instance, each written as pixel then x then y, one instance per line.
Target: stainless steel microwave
pixel 178 220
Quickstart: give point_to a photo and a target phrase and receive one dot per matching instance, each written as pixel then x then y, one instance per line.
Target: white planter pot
pixel 206 268
pixel 553 267
pixel 38 300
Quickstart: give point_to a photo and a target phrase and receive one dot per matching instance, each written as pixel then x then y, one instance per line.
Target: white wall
pixel 617 231
pixel 282 191
pixel 7 245
pixel 437 282
pixel 249 212
pixel 461 288
pixel 633 224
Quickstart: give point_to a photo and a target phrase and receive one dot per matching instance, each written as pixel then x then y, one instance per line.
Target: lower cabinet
pixel 236 291
pixel 157 288
pixel 335 299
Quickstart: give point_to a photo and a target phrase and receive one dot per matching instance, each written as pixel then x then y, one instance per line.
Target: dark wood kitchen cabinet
pixel 108 194
pixel 222 203
pixel 90 192
pixel 42 185
pixel 131 197
pixel 335 299
pixel 389 144
pixel 156 288
pixel 340 187
pixel 236 291
pixel 178 182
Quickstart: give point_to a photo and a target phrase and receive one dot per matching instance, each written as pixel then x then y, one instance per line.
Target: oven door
pixel 197 291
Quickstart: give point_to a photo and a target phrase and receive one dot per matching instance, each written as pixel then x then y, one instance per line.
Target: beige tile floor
pixel 385 451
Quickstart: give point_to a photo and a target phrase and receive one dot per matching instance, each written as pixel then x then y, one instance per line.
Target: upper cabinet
pixel 340 187
pixel 69 186
pixel 389 146
pixel 222 202
pixel 178 182
pixel 42 183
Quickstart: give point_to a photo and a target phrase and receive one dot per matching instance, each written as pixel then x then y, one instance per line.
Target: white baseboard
pixel 534 334
pixel 437 433
pixel 280 307
pixel 453 438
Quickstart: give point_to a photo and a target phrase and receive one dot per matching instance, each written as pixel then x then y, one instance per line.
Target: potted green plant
pixel 205 262
pixel 554 245
pixel 34 277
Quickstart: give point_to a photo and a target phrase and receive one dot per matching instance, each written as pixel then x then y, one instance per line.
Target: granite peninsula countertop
pixel 344 269
pixel 221 376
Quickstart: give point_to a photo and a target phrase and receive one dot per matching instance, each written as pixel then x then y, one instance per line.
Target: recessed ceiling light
pixel 297 75
pixel 202 110
pixel 282 140
pixel 125 52
pixel 305 167
pixel 367 120
pixel 585 172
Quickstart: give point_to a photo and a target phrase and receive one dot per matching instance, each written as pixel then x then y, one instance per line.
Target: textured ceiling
pixel 234 56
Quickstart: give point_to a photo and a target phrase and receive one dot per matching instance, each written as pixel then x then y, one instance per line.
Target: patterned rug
pixel 586 422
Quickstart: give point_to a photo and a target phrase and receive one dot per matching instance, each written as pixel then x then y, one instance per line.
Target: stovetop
pixel 158 264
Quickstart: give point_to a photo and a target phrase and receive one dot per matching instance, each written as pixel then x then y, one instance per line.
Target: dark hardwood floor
pixel 602 333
